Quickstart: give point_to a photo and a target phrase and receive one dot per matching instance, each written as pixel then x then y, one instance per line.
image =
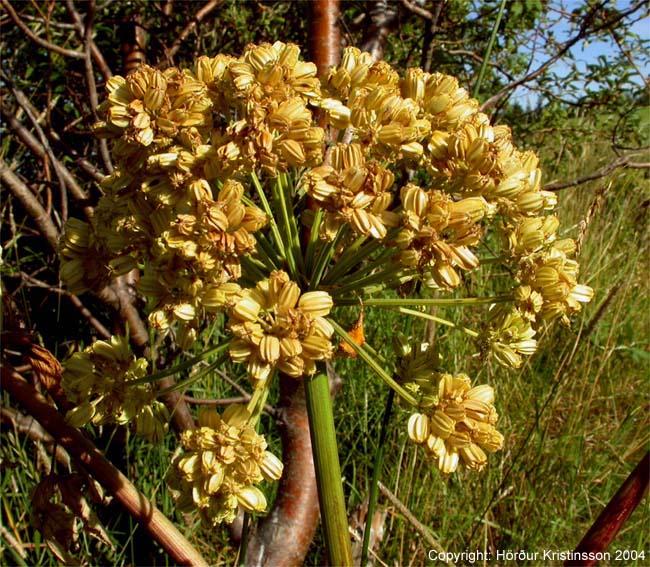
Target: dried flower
pixel 222 462
pixel 98 381
pixel 457 425
pixel 277 326
pixel 437 232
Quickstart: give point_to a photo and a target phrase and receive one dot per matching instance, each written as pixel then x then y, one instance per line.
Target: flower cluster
pixel 352 191
pixel 223 460
pixel 456 423
pixel 277 326
pixel 415 187
pixel 98 380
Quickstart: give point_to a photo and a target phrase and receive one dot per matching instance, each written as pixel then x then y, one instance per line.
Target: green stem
pixel 267 209
pixel 269 250
pixel 423 301
pixel 219 349
pixel 488 51
pixel 326 252
pixel 328 470
pixel 440 320
pixel 371 361
pixel 253 267
pixel 376 469
pixel 292 222
pixel 290 246
pixel 387 276
pixel 347 259
pixel 313 239
pixel 184 384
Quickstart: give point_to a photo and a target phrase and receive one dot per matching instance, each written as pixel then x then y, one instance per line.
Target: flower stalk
pixel 328 470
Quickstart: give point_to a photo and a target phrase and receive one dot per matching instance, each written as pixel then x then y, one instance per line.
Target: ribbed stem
pixel 328 470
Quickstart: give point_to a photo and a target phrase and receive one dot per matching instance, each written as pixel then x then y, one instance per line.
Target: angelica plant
pixel 250 187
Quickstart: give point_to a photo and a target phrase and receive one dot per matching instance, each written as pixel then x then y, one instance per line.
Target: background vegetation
pixel 575 417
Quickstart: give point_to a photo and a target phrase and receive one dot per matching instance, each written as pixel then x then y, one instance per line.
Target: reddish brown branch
pixel 614 516
pixel 79 447
pixel 284 536
pixel 325 44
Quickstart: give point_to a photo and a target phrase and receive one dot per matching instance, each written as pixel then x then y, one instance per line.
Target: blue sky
pixel 584 53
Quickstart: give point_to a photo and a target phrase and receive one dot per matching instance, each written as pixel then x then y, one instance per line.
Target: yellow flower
pixel 352 191
pixel 277 326
pixel 457 425
pixel 437 233
pixel 97 380
pixel 222 461
pixel 508 336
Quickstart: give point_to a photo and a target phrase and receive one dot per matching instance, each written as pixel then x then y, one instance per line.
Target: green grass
pixel 575 420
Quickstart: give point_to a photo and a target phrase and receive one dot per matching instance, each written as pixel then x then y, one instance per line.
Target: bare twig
pixel 90 78
pixel 191 26
pixel 412 7
pixel 584 31
pixel 103 67
pixel 85 312
pixel 417 525
pixel 428 43
pixel 30 111
pixel 27 425
pixel 27 199
pixel 623 161
pixel 79 447
pixel 33 37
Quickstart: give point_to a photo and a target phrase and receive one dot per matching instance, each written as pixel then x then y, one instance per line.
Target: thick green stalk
pixel 328 470
pixel 488 51
pixel 376 469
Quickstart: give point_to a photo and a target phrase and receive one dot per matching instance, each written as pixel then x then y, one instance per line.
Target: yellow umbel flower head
pixel 456 427
pixel 353 191
pixel 277 326
pixel 508 335
pixel 98 380
pixel 223 460
pixel 437 233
